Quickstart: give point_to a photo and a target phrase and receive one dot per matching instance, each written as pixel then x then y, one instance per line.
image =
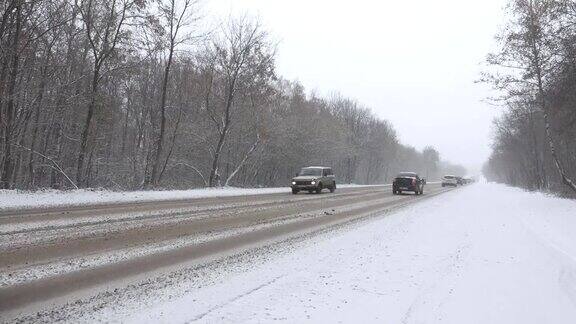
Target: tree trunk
pixel 214 179
pixel 559 167
pixel 87 124
pixel 241 164
pixel 31 161
pixel 156 174
pixel 214 176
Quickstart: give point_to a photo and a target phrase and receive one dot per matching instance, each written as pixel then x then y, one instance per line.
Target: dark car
pixel 460 181
pixel 449 180
pixel 408 181
pixel 314 179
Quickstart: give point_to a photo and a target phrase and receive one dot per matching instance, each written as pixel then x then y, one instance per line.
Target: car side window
pixel 324 172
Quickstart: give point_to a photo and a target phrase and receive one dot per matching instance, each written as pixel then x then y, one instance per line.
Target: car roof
pixel 316 167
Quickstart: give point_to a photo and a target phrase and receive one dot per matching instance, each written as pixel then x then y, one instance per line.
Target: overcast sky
pixel 413 63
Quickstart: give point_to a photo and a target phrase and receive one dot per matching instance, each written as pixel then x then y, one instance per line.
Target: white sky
pixel 413 63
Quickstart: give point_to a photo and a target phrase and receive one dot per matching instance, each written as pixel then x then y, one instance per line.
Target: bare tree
pixel 241 56
pixel 529 57
pixel 176 16
pixel 104 22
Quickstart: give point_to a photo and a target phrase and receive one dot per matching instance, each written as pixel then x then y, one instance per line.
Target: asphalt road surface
pixel 55 257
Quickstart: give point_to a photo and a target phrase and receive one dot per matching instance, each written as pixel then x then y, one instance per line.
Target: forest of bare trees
pixel 131 94
pixel 534 71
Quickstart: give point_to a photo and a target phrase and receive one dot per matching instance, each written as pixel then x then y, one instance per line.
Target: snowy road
pixel 481 254
pixel 54 257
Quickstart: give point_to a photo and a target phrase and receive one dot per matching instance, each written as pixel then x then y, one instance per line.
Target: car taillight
pixel 413 182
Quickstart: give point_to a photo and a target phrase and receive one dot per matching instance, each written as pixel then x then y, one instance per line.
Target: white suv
pixel 449 180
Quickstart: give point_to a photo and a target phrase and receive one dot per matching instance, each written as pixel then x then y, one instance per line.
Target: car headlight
pixel 313 182
pixel 293 183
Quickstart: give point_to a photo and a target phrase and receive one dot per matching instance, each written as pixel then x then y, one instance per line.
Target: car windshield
pixel 448 177
pixel 310 172
pixel 407 174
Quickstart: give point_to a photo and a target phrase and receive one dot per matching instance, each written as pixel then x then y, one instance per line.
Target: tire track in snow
pixel 450 270
pixel 238 297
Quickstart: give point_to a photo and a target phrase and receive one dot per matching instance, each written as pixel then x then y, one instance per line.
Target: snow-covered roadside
pixel 12 199
pixel 482 254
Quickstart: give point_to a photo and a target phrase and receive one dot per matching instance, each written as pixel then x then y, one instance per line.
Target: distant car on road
pixel 314 179
pixel 408 181
pixel 449 180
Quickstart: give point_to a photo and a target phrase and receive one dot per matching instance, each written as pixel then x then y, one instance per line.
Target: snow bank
pixel 482 254
pixel 52 198
pixel 11 199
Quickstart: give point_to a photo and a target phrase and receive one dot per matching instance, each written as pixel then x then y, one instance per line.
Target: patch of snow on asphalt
pixel 482 254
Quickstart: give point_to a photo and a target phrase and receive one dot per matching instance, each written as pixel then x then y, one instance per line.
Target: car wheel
pixel 443 185
pixel 333 188
pixel 319 189
pixel 295 191
pixel 399 192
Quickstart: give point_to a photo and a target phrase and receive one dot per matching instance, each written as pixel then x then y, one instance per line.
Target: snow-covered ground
pixel 482 254
pixel 51 198
pixel 11 199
